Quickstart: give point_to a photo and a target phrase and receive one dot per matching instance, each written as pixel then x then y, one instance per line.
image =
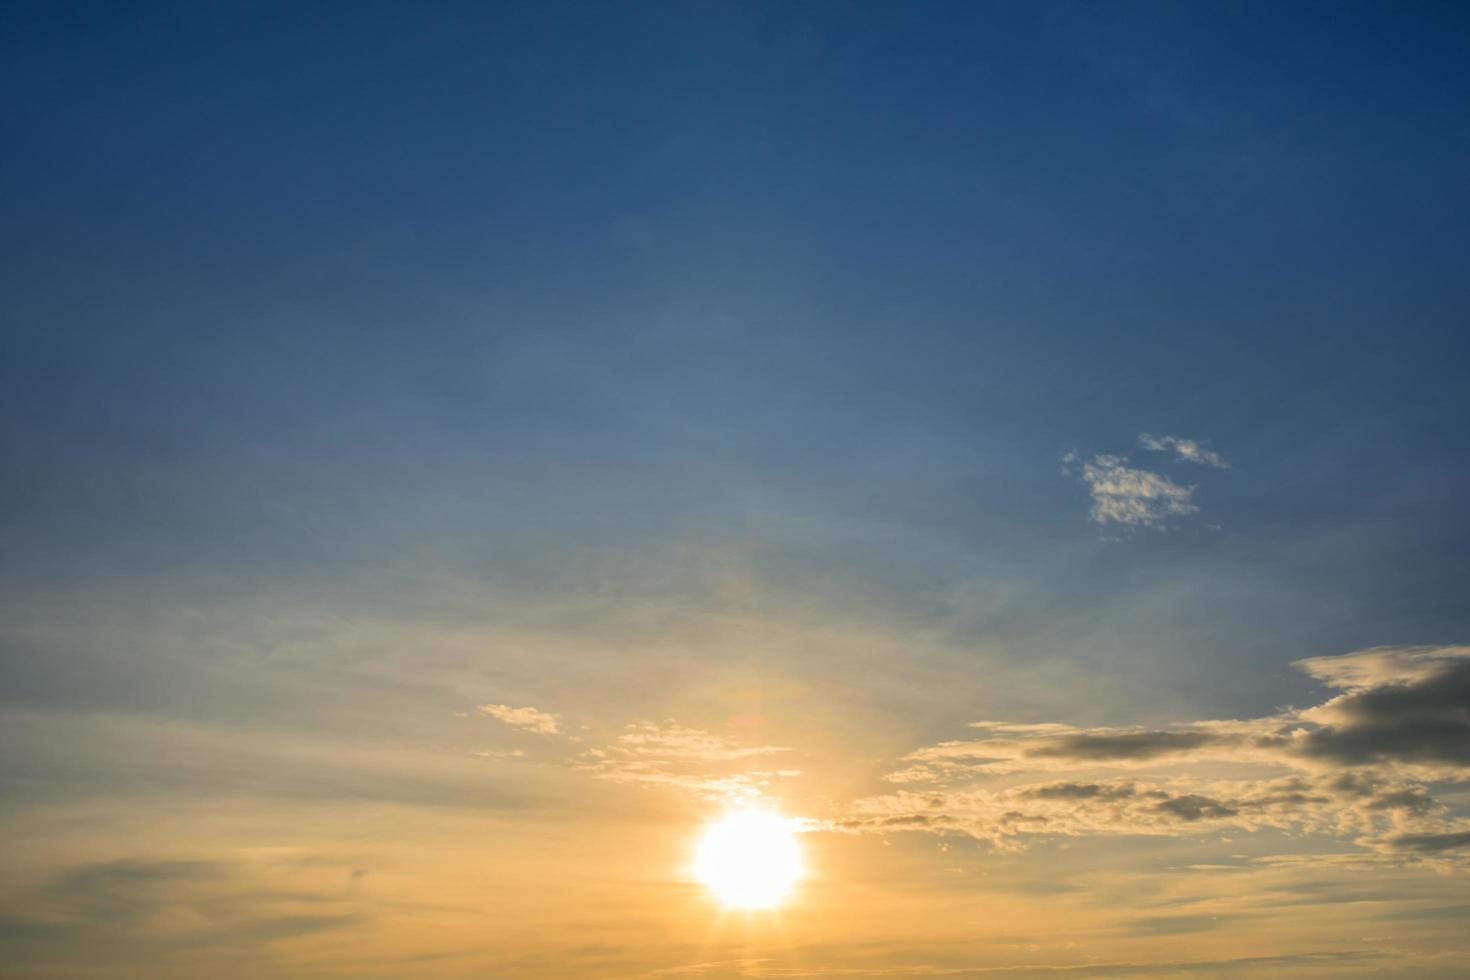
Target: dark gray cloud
pixel 1080 791
pixel 1430 741
pixel 1132 745
pixel 1191 807
pixel 1419 715
pixel 1171 925
pixel 1428 843
pixel 1423 718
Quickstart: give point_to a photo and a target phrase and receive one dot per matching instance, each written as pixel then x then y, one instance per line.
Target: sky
pixel 455 452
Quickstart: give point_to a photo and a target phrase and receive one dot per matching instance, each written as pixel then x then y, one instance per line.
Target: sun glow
pixel 749 858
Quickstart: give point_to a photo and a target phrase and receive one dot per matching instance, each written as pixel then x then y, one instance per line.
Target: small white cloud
pixel 530 719
pixel 1122 494
pixel 1188 450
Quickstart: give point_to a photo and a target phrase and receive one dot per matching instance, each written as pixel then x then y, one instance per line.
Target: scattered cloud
pixel 1187 450
pixel 1132 497
pixel 529 719
pixel 1359 765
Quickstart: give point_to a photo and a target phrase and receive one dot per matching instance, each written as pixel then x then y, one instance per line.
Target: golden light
pixel 749 858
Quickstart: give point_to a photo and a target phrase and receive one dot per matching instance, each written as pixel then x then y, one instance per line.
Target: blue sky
pixel 676 349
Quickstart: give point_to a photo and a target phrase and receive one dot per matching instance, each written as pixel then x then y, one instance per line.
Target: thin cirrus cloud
pixel 1359 766
pixel 688 760
pixel 528 719
pixel 662 755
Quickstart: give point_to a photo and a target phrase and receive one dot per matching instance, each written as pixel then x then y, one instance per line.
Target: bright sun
pixel 749 858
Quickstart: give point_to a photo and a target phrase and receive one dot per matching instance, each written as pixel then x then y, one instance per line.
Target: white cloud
pixel 1383 665
pixel 1122 494
pixel 1188 450
pixel 529 719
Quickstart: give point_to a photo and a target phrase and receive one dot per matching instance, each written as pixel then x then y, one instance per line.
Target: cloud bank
pixel 1360 765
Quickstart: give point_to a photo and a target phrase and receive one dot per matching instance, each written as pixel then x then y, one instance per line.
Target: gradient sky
pixel 453 451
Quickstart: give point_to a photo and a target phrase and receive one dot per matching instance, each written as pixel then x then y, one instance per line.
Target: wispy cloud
pixel 690 760
pixel 529 719
pixel 1188 450
pixel 671 740
pixel 662 755
pixel 1359 765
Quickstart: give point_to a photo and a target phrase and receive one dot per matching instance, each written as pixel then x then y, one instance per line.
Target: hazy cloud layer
pixel 777 970
pixel 167 907
pixel 1360 765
